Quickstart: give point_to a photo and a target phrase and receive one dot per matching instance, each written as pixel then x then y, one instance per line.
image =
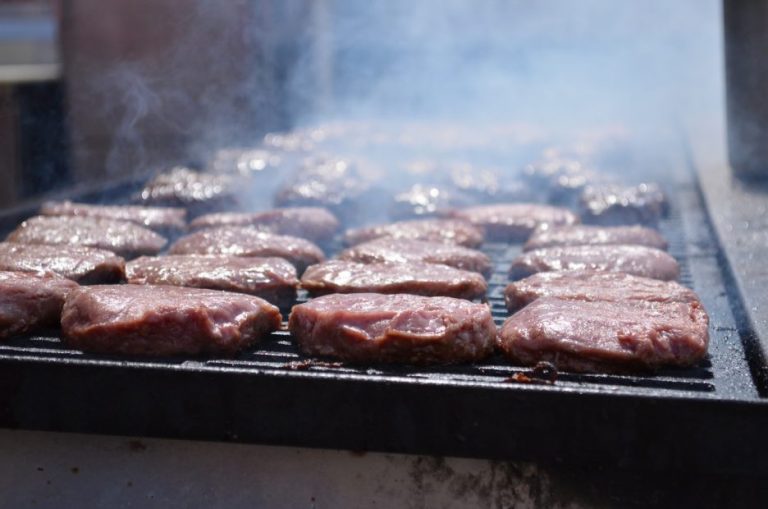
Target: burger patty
pixel 121 237
pixel 272 279
pixel 195 191
pixel 247 241
pixel 404 250
pixel 514 222
pixel 163 219
pixel 606 336
pixel 29 302
pixel 637 260
pixel 580 235
pixel 617 205
pixel 313 223
pixel 371 327
pixel 594 286
pixel 85 265
pixel 164 320
pixel 449 231
pixel 418 278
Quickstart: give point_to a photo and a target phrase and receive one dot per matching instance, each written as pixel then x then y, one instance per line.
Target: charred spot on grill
pixel 311 363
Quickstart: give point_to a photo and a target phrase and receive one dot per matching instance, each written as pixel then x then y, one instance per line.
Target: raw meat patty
pixel 121 237
pixel 606 336
pixel 156 218
pixel 247 241
pixel 86 265
pixel 164 320
pixel 514 222
pixel 272 279
pixel 617 205
pixel 580 235
pixel 184 187
pixel 29 302
pixel 313 223
pixel 594 286
pixel 637 260
pixel 403 250
pixel 371 327
pixel 430 279
pixel 448 231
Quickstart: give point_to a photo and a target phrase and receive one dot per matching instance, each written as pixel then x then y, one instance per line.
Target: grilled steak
pixel 121 237
pixel 606 336
pixel 247 241
pixel 164 320
pixel 314 223
pixel 371 327
pixel 163 219
pixel 29 302
pixel 183 187
pixel 637 260
pixel 339 276
pixel 561 179
pixel 580 235
pixel 85 265
pixel 594 286
pixel 514 222
pixel 404 250
pixel 272 279
pixel 422 200
pixel 449 231
pixel 617 205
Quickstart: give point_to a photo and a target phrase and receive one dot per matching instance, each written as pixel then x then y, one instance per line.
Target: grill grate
pixel 724 374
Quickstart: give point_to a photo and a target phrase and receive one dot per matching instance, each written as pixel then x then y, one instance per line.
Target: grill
pixel 709 417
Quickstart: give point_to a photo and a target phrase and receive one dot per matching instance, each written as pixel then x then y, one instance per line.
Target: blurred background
pixel 98 90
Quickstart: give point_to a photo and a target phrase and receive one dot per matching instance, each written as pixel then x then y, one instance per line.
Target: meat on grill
pixel 449 231
pixel 562 179
pixel 637 260
pixel 422 200
pixel 162 219
pixel 247 241
pixel 121 237
pixel 429 279
pixel 196 191
pixel 405 250
pixel 611 205
pixel 272 279
pixel 164 320
pixel 606 336
pixel 371 327
pixel 313 223
pixel 594 286
pixel 85 265
pixel 29 302
pixel 580 235
pixel 514 222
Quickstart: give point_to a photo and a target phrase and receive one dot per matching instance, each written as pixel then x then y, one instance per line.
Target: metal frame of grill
pixel 711 417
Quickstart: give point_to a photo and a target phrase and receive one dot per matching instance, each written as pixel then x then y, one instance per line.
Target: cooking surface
pixel 273 394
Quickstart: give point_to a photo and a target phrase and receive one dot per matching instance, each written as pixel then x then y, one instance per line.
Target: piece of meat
pixel 581 235
pixel 164 320
pixel 418 278
pixel 272 279
pixel 637 260
pixel 313 223
pixel 86 265
pixel 184 187
pixel 612 205
pixel 371 327
pixel 514 222
pixel 29 302
pixel 404 250
pixel 161 219
pixel 422 200
pixel 606 336
pixel 121 237
pixel 561 180
pixel 247 241
pixel 594 286
pixel 448 231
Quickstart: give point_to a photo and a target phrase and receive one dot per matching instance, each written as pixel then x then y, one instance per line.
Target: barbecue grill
pixel 695 418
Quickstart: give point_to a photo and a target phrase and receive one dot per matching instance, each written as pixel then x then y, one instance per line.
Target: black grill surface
pixel 709 417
